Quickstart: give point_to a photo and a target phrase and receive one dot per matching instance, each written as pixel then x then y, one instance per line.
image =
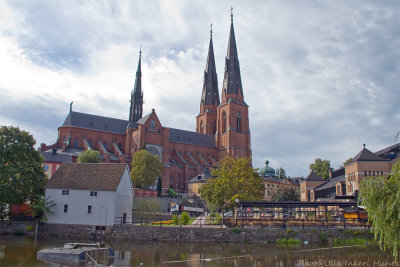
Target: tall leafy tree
pixel 89 156
pixel 21 173
pixel 280 173
pixel 321 167
pixel 146 168
pixel 286 194
pixel 380 195
pixel 233 179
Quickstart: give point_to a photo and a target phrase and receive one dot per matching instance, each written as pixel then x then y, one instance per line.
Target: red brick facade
pixel 221 129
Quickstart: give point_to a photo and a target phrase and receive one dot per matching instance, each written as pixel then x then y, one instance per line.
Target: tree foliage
pixel 321 167
pixel 233 179
pixel 281 173
pixel 380 195
pixel 41 207
pixel 146 207
pixel 347 161
pixel 146 168
pixel 89 156
pixel 21 173
pixel 286 194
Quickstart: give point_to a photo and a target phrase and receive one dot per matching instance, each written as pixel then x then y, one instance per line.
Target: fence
pixel 244 222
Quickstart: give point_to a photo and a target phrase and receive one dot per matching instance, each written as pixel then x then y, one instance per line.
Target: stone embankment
pixel 186 234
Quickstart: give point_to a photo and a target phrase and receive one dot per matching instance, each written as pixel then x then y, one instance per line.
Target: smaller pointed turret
pixel 136 109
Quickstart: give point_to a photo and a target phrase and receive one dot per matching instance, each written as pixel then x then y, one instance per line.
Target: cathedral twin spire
pixel 232 84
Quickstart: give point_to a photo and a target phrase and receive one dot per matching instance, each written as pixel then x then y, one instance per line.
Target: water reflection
pixel 20 251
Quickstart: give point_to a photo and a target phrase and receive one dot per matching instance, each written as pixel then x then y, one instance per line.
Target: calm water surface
pixel 21 251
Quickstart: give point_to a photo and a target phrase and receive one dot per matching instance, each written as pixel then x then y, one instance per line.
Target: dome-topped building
pixel 267 171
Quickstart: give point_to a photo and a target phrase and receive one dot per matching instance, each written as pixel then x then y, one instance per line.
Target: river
pixel 21 251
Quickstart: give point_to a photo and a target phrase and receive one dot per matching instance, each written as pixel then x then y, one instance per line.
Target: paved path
pixel 200 222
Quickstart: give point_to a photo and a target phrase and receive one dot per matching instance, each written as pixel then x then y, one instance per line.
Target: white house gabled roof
pixel 88 176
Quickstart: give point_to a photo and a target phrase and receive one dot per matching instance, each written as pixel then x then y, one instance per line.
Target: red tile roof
pixel 89 176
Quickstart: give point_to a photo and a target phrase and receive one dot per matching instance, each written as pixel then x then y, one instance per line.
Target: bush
pixel 288 242
pixel 29 228
pixel 175 219
pixel 323 237
pixel 185 218
pixel 235 230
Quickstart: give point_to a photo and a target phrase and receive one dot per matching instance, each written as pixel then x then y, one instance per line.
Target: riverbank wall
pixel 185 233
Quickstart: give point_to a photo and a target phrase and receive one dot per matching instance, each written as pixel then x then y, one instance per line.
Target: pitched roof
pixel 192 138
pixel 394 148
pixel 88 176
pixel 313 177
pixel 49 156
pixel 89 121
pixel 144 119
pixel 366 155
pixel 331 183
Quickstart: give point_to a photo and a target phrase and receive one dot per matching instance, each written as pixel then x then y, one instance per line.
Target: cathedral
pixel 222 128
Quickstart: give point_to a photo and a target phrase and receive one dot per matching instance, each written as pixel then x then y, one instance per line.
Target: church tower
pixel 233 132
pixel 206 121
pixel 136 109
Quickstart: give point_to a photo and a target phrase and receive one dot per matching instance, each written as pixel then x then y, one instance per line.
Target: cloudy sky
pixel 321 77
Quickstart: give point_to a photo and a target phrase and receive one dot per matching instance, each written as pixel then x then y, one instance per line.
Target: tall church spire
pixel 137 94
pixel 232 85
pixel 210 95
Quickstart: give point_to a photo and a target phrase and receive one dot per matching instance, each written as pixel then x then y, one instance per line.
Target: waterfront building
pixel 90 193
pixel 222 128
pixel 344 183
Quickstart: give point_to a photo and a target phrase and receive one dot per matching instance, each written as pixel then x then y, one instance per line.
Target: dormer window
pixel 152 125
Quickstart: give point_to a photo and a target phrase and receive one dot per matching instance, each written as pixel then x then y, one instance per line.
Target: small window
pixel 65 192
pixel 65 208
pixel 45 167
pixel 89 209
pixel 152 125
pixel 93 193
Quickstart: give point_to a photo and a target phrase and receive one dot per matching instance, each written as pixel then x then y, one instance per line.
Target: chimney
pixel 54 151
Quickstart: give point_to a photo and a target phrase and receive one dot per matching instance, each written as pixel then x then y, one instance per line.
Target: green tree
pixel 146 168
pixel 89 156
pixel 233 179
pixel 280 173
pixel 347 161
pixel 21 173
pixel 286 194
pixel 185 218
pixel 321 167
pixel 146 207
pixel 380 196
pixel 40 208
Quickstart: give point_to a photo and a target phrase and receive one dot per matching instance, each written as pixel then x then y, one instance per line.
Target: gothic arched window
pixel 224 122
pixel 152 125
pixel 214 127
pixel 201 127
pixel 239 123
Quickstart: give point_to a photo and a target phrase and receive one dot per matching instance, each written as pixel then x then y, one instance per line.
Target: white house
pixel 90 193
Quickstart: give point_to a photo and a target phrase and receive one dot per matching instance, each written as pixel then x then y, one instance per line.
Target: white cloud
pixel 320 77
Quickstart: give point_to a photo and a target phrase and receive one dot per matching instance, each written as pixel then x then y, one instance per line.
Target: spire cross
pixel 231 13
pixel 211 29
